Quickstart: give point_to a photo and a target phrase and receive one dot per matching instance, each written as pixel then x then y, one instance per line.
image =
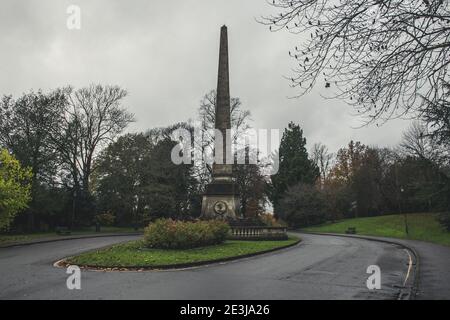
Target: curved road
pixel 321 267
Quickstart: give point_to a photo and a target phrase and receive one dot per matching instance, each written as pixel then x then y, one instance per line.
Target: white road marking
pixel 409 267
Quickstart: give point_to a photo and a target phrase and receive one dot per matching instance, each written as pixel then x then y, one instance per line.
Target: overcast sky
pixel 165 53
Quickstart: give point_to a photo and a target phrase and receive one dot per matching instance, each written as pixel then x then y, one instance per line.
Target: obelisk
pixel 221 199
pixel 223 98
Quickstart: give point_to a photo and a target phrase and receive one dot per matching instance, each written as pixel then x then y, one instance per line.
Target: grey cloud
pixel 165 54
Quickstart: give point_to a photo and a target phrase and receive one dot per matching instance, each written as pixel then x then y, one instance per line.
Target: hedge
pixel 171 234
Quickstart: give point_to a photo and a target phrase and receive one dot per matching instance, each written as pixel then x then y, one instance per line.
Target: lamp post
pixel 405 214
pixel 399 199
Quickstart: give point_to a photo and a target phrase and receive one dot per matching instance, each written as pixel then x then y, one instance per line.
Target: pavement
pixel 320 267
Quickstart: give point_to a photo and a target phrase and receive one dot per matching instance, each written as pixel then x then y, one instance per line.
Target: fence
pixel 258 233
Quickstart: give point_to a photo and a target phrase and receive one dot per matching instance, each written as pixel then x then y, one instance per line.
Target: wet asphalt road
pixel 434 272
pixel 321 267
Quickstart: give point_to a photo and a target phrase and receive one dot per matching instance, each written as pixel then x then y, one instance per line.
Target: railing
pixel 258 233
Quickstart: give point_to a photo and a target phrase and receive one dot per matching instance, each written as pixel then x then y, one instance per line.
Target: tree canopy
pixel 14 188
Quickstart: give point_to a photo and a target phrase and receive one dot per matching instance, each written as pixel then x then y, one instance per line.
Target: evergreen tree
pixel 295 167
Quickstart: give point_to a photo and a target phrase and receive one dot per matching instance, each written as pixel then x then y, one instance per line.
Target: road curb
pixel 28 243
pixel 63 263
pixel 412 290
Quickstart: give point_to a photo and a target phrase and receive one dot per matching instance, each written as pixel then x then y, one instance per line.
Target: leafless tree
pixel 437 116
pixel 93 117
pixel 417 142
pixel 207 115
pixel 239 123
pixel 381 56
pixel 322 159
pixel 251 183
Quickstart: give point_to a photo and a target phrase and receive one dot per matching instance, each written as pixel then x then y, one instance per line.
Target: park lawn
pixel 133 254
pixel 422 226
pixel 7 239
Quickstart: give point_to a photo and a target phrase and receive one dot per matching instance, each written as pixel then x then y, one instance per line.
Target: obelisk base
pixel 221 199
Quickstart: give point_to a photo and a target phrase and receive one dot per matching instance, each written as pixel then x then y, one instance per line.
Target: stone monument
pixel 221 199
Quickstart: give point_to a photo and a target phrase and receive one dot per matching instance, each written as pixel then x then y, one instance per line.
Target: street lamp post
pixel 399 199
pixel 405 215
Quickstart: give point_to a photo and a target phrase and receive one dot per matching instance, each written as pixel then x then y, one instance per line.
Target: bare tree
pixel 207 116
pixel 417 142
pixel 381 56
pixel 239 123
pixel 93 117
pixel 437 115
pixel 322 159
pixel 251 184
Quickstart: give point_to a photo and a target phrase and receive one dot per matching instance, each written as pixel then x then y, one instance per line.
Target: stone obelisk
pixel 221 199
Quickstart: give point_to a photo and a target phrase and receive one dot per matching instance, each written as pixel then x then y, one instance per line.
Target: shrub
pixel 105 219
pixel 269 220
pixel 171 234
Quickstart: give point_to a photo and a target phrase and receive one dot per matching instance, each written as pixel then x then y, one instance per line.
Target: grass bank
pixel 133 254
pixel 422 226
pixel 9 239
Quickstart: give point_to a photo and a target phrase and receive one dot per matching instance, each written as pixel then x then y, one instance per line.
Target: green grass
pixel 422 226
pixel 133 254
pixel 6 239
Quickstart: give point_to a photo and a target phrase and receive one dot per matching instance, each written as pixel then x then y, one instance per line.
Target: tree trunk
pixel 30 213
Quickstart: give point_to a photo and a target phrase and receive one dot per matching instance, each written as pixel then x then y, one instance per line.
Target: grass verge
pixel 134 255
pixel 422 226
pixel 9 239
